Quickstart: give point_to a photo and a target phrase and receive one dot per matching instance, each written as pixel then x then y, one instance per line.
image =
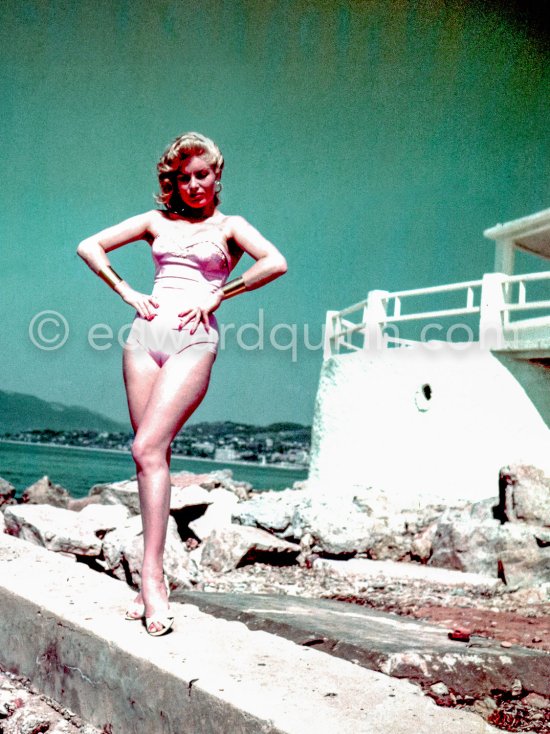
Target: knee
pixel 147 454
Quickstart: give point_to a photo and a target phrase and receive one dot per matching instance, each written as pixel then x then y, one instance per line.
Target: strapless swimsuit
pixel 184 269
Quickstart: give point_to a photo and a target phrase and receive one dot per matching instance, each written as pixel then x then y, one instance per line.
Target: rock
pixel 11 698
pixel 124 493
pixel 78 504
pixel 242 490
pixel 30 719
pixel 226 548
pixel 190 496
pixel 517 688
pixel 44 492
pixel 53 528
pixel 217 515
pixel 123 554
pixel 119 554
pixel 271 511
pixel 195 556
pixel 537 701
pixel 222 478
pixel 7 493
pixel 216 478
pixel 37 716
pixel 524 495
pixel 479 545
pixel 59 530
pixel 23 708
pixel 361 521
pixel 542 536
pixel 364 571
pixel 440 689
pixel 103 518
pixel 339 526
pixel 2 523
pixel 208 480
pixel 422 544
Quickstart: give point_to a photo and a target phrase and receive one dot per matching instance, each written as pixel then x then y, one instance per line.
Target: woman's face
pixel 196 182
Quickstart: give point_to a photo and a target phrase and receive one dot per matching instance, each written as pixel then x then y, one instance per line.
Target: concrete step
pixel 398 646
pixel 62 626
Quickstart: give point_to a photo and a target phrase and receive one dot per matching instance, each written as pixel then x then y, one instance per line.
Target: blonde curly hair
pixel 170 162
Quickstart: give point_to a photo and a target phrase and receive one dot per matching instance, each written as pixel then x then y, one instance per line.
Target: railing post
pixel 491 316
pixel 504 256
pixel 330 341
pixel 374 319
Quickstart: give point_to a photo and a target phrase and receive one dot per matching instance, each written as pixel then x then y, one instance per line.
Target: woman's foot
pixel 136 609
pixel 154 592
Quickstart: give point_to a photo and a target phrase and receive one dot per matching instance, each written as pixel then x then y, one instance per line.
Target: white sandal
pixel 166 621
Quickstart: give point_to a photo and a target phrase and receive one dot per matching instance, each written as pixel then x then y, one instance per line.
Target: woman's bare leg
pixel 176 391
pixel 140 372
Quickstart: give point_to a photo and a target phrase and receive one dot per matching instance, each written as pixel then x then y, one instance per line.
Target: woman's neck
pixel 195 215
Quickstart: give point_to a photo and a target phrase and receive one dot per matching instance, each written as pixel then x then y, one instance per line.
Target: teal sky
pixel 372 142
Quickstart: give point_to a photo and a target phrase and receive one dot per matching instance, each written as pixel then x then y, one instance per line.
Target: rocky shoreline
pixel 480 568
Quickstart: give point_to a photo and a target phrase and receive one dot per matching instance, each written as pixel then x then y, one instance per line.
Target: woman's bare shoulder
pixel 158 221
pixel 234 225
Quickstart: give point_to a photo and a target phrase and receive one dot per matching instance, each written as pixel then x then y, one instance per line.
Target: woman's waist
pixel 174 290
pixel 176 282
pixel 166 317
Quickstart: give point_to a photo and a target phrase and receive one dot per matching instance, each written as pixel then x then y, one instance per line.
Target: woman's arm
pixel 93 251
pixel 270 263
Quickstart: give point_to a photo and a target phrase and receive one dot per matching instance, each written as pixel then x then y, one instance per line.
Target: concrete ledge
pixel 63 627
pixel 398 646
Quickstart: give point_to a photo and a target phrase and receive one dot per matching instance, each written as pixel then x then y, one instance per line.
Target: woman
pixel 172 344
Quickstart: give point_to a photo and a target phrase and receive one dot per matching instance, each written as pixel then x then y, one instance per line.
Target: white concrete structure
pixel 431 416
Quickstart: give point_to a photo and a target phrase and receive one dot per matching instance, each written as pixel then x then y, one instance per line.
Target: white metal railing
pixel 397 297
pixel 522 303
pixel 382 309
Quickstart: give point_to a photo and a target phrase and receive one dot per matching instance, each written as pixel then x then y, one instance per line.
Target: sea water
pixel 77 469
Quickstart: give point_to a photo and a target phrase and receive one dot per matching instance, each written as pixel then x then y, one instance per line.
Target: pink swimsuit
pixel 184 270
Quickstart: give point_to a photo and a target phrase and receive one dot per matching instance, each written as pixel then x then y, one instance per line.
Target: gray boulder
pixel 191 496
pixel 222 503
pixel 45 492
pixel 483 545
pixel 362 522
pixel 124 493
pixel 62 530
pixel 79 504
pixel 525 495
pixel 226 548
pixel 271 511
pixel 103 518
pixel 7 493
pixel 222 478
pixel 122 552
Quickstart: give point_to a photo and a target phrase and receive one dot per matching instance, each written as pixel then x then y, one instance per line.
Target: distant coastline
pixel 255 464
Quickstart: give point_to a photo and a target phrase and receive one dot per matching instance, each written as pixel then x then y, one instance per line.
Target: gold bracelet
pixel 107 274
pixel 234 287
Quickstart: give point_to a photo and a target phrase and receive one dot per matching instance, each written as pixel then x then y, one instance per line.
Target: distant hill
pixel 20 412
